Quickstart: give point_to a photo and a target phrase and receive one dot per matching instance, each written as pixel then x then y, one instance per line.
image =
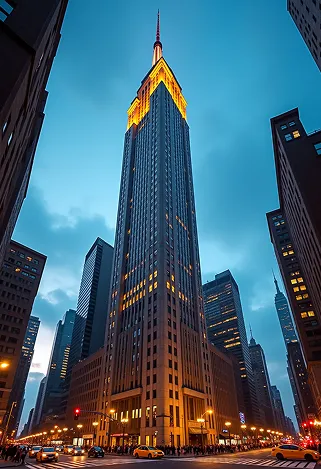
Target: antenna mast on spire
pixel 158 48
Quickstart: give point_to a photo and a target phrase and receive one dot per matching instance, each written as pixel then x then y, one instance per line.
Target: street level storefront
pixel 88 439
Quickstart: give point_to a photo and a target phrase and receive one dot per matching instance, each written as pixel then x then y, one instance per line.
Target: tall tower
pixel 19 384
pixel 222 306
pixel 57 369
pixel 157 369
pixel 284 315
pixel 262 383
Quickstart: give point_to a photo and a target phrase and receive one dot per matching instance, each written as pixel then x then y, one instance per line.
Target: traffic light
pixel 76 414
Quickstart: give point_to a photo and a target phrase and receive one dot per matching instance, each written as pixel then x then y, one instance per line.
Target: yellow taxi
pixel 295 452
pixel 149 452
pixel 47 453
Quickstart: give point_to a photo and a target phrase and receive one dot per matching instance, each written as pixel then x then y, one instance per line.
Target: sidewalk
pixel 4 463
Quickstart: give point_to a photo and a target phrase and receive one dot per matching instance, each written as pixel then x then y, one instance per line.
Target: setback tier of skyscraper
pixel 226 330
pixel 158 369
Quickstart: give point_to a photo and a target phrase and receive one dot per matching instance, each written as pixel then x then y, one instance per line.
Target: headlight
pixel 56 454
pixel 82 450
pixel 44 455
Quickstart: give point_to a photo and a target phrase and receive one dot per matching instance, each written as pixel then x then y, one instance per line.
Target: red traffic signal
pixel 304 424
pixel 311 423
pixel 76 413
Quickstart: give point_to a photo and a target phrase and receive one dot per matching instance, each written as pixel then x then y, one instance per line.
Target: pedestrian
pixel 23 455
pixel 178 451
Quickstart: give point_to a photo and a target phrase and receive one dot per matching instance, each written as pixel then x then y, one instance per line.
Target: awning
pixel 197 430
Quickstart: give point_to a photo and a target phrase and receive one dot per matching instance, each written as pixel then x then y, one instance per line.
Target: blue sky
pixel 239 63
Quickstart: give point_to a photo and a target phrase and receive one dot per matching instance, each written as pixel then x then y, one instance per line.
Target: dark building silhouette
pixel 306 16
pixel 278 410
pixel 226 330
pixel 284 315
pixel 57 368
pixel 29 37
pixel 262 383
pixel 19 281
pixel 157 357
pixel 19 384
pixel 298 171
pixel 92 307
pixel 39 403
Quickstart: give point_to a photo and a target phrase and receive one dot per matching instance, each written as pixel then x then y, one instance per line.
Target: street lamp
pixel 201 421
pixel 4 365
pixel 228 424
pixel 124 421
pixel 79 426
pixel 95 424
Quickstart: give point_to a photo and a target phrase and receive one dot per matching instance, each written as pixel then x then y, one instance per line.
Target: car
pixel 295 452
pixel 33 451
pixel 77 451
pixel 47 453
pixel 60 449
pixel 68 449
pixel 95 452
pixel 149 452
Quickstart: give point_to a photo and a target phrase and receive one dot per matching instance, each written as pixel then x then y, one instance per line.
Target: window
pixel 304 315
pixel 296 134
pixel 170 378
pixel 317 147
pixel 5 9
pixel 288 137
pixel 283 127
pixel 311 314
pixel 291 124
pixel 171 394
pixel 294 281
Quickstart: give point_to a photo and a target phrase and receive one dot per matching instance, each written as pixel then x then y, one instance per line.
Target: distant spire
pixel 158 48
pixel 252 340
pixel 251 332
pixel 276 283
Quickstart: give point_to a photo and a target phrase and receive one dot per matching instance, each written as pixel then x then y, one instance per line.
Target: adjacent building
pixel 29 32
pixel 298 170
pixel 262 383
pixel 57 368
pixel 306 14
pixel 157 369
pixel 19 385
pixel 84 394
pixel 226 330
pixel 19 281
pixel 90 320
pixel 284 315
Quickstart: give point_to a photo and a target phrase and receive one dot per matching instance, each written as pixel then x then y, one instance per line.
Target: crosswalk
pixel 113 461
pixel 252 462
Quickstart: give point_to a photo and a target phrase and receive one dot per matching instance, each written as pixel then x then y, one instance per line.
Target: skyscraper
pixel 19 281
pixel 29 38
pixel 226 330
pixel 278 409
pixel 158 372
pixel 19 384
pixel 39 403
pixel 262 383
pixel 297 371
pixel 58 364
pixel 90 321
pixel 284 315
pixel 298 171
pixel 306 16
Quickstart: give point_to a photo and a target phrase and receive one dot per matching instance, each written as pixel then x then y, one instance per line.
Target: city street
pixel 252 458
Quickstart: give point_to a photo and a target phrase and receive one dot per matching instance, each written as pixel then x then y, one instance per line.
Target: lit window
pixel 291 124
pixel 168 285
pixel 295 289
pixel 300 279
pixel 303 287
pixel 155 285
pixel 317 147
pixel 288 137
pixel 285 253
pixel 298 297
pixel 18 270
pixel 9 139
pixel 296 134
pixel 150 276
pixel 305 296
pixel 283 127
pixel 155 273
pixel 5 10
pixel 311 314
pixel 291 252
pixel 304 315
pixel 294 281
pixel 173 289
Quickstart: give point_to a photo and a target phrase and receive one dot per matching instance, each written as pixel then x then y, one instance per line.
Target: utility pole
pixel 4 436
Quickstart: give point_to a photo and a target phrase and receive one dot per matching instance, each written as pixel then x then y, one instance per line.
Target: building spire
pixel 158 48
pixel 276 283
